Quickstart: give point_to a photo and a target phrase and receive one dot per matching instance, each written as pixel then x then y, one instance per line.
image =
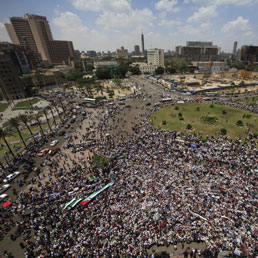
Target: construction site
pixel 211 76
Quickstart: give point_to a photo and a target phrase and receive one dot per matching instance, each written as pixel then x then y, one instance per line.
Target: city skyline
pixel 107 25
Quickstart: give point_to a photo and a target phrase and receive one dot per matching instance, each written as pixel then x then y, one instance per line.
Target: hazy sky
pixel 109 24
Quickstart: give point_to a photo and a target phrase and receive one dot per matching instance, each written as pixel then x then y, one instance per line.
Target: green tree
pixel 13 124
pixel 103 73
pixel 189 127
pixel 3 134
pixel 159 70
pixel 74 75
pixel 25 119
pixel 223 131
pixel 135 70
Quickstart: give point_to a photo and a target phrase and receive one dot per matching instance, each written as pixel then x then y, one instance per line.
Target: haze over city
pixel 106 25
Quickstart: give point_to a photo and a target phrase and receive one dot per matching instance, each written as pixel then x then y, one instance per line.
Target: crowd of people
pixel 169 189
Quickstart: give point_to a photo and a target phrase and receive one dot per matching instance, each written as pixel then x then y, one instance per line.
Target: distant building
pixel 137 50
pixel 249 54
pixel 235 49
pixel 33 32
pixel 91 53
pixel 42 79
pixel 197 51
pixel 18 56
pixel 122 53
pixel 155 57
pixel 10 85
pixel 213 66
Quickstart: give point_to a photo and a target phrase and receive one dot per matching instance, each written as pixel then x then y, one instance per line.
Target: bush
pixel 198 109
pixel 189 127
pixel 224 112
pixel 181 118
pixel 204 139
pixel 209 119
pixel 176 108
pixel 211 106
pixel 223 131
pixel 239 123
pixel 180 115
pixel 100 161
pixel 248 116
pixel 164 122
pixel 256 135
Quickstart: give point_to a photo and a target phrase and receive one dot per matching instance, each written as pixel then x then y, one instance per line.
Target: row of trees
pixel 14 124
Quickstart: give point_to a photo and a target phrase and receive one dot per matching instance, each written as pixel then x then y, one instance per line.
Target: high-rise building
pixel 143 51
pixel 122 53
pixel 197 51
pixel 235 48
pixel 249 54
pixel 33 32
pixel 10 85
pixel 137 50
pixel 155 57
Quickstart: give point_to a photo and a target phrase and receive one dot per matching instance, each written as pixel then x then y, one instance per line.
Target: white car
pixel 66 136
pixel 54 143
pixel 4 188
pixel 3 196
pixel 11 177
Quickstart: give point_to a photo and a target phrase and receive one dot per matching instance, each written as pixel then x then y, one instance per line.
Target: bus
pixel 89 101
pixel 165 100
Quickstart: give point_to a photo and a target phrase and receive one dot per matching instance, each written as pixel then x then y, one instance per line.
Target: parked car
pixel 148 104
pixel 4 188
pixel 67 126
pixel 43 152
pixel 72 120
pixel 61 133
pixel 67 136
pixel 54 143
pixel 3 196
pixel 53 151
pixel 11 177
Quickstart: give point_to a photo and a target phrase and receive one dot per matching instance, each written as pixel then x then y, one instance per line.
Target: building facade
pixel 122 53
pixel 197 51
pixel 137 50
pixel 10 85
pixel 18 56
pixel 155 57
pixel 249 54
pixel 33 32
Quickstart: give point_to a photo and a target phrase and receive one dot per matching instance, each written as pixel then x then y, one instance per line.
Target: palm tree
pixel 3 135
pixel 56 109
pixel 25 120
pixel 51 110
pixel 45 113
pixel 37 117
pixel 60 100
pixel 14 123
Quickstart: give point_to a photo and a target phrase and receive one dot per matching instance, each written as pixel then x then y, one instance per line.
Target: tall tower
pixel 235 48
pixel 143 51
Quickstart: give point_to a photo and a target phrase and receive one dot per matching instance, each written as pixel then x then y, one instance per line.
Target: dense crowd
pixel 169 189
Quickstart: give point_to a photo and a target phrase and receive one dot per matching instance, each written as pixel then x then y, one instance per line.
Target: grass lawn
pixel 199 122
pixel 3 106
pixel 27 103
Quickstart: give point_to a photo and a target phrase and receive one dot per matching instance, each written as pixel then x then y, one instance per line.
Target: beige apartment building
pixel 33 32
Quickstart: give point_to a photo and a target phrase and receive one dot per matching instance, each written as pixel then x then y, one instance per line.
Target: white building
pixel 155 57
